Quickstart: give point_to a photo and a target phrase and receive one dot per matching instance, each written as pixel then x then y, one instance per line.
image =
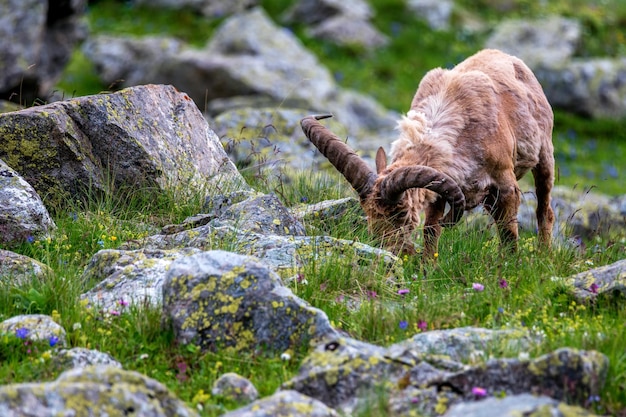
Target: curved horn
pixel 360 176
pixel 402 179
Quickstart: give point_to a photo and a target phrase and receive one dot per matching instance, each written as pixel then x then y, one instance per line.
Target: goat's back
pixel 490 100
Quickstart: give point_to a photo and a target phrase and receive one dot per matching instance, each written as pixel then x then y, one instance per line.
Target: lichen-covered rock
pixel 343 373
pixel 261 226
pixel 340 369
pixel 546 42
pixel 219 299
pixel 145 136
pixel 285 403
pixel 78 357
pixel 263 215
pixel 17 270
pixel 328 209
pixel 517 405
pixel 35 327
pixel 608 280
pixel 38 38
pixel 23 216
pixel 235 387
pixel 464 344
pixel 285 254
pixel 128 278
pixel 93 391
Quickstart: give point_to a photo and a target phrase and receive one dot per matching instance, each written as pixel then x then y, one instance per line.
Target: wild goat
pixel 470 134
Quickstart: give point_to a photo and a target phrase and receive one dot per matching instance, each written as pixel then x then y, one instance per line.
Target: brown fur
pixel 484 123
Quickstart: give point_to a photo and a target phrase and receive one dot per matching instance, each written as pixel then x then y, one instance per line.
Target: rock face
pixel 96 390
pixel 38 38
pixel 147 136
pixel 23 217
pixel 222 300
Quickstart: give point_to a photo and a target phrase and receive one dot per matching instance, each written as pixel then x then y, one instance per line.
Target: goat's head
pixel 383 194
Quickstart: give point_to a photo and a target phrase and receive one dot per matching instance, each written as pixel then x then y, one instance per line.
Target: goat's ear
pixel 381 160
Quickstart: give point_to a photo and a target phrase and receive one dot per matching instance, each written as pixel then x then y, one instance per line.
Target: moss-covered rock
pixel 17 270
pixel 142 137
pixel 221 300
pixel 424 380
pixel 129 278
pixel 93 391
pixel 285 403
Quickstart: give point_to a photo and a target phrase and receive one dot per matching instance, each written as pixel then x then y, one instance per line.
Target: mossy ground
pixel 520 291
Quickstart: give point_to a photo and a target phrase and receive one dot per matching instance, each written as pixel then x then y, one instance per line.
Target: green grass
pixel 357 299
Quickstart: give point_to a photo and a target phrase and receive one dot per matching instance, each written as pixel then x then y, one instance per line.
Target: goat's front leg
pixel 503 203
pixel 432 229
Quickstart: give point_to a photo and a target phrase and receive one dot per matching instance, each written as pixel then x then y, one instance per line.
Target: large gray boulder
pixel 38 38
pixel 221 300
pixel 149 136
pixel 250 62
pixel 93 391
pixel 547 42
pixel 590 87
pixel 23 216
pixel 343 373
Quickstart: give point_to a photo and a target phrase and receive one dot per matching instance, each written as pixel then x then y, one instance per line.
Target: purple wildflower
pixel 594 288
pixel 53 340
pixel 403 291
pixel 479 392
pixel 503 283
pixel 478 287
pixel 422 325
pixel 403 324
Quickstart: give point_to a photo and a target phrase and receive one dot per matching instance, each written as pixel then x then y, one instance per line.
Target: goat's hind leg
pixel 543 174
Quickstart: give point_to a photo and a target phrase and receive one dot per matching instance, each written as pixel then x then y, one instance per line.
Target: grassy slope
pixel 440 298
